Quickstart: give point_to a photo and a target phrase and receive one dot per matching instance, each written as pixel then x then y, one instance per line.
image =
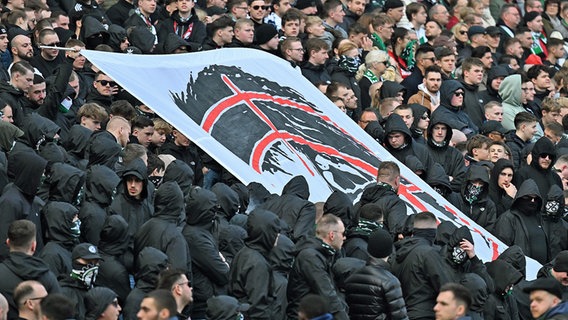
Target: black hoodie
pixel 501 304
pixel 103 148
pixel 65 183
pixel 76 144
pixel 339 204
pixel 491 94
pixel 418 111
pixel 499 197
pixel 554 226
pixel 522 227
pixel 457 117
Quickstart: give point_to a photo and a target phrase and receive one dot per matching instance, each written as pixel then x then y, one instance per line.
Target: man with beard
pixel 432 30
pixel 27 296
pixel 428 93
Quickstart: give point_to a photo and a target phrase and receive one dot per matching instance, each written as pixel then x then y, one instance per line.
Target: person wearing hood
pixel 438 144
pixel 501 303
pixel 21 264
pixel 65 183
pixel 451 108
pixel 76 144
pixel 133 199
pixel 19 200
pixel 474 198
pixel 339 204
pixel 101 304
pixel 370 218
pixel 223 307
pixel 62 232
pixel 251 275
pixel 391 89
pixel 209 269
pixel 161 230
pixel 118 39
pixel 400 144
pixel 512 99
pixel 185 23
pixel 116 258
pixel 362 286
pixel 281 258
pixel 479 295
pixel 294 209
pixel 38 131
pixel 149 263
pixel 428 94
pixel 311 271
pixel 554 226
pixel 183 149
pixel 420 268
pixel 495 77
pixel 100 188
pixel 142 38
pixel 540 168
pixel 522 224
pixel 420 124
pixel 502 191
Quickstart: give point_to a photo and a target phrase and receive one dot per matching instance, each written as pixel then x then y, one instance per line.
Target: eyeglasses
pixel 299 49
pixel 115 303
pixel 433 59
pixel 37 298
pixel 458 94
pixel 106 83
pixel 53 44
pixel 257 7
pixel 462 32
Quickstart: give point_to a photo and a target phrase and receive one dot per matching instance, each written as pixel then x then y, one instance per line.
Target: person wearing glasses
pixel 103 91
pixel 48 59
pixel 28 296
pixel 257 11
pixel 293 52
pixel 176 281
pixel 451 108
pixel 101 304
pixel 424 58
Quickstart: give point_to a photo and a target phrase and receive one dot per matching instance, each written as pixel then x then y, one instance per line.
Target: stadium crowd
pixel 111 213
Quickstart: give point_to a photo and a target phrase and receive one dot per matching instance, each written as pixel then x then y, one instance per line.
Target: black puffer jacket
pixel 373 292
pixel 312 273
pixel 58 231
pixel 210 273
pixel 481 209
pixel 294 208
pixel 161 230
pixel 251 277
pixel 422 272
pixel 449 157
pixel 113 247
pixel 100 187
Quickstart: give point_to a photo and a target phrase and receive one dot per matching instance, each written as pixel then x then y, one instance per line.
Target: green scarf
pixel 366 226
pixel 371 76
pixel 408 55
pixel 378 42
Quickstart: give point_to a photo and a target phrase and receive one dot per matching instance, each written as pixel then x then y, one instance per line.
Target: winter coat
pixel 58 230
pixel 161 230
pixel 315 74
pixel 281 258
pixel 472 104
pixel 511 227
pixel 65 183
pixel 181 173
pixel 103 149
pixel 449 157
pixel 294 209
pixel 189 155
pixel 174 24
pixel 373 292
pixel 490 94
pixel 517 146
pixel 76 144
pixel 509 91
pixel 340 205
pixel 16 99
pixel 119 12
pixel 499 197
pixel 456 116
pixel 113 248
pixel 500 304
pixel 482 210
pixel 555 227
pixel 311 274
pixel 19 201
pixel 251 277
pixel 75 291
pixel 100 187
pixel 422 272
pixel 210 272
pixel 394 208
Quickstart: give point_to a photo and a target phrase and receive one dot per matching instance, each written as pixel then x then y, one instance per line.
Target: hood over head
pixel 102 151
pixel 8 134
pixel 114 236
pixel 510 90
pixel 116 34
pixel 339 204
pixel 173 42
pixel 554 205
pixel 447 90
pixel 458 235
pixel 29 168
pixel 77 140
pixel 149 264
pixel 478 290
pixel 477 172
pixel 168 202
pixel 499 166
pixel 142 38
pixel 282 255
pixel 417 111
pixel 528 187
pixel 258 194
pixel 439 180
pixel 38 130
pixel 444 232
pixel 97 300
pixel 395 123
pixel 543 146
pixel 180 172
pixel 138 169
pixel 200 207
pixel 101 184
pixel 516 257
pixel 90 28
pixel 263 227
pixel 440 118
pixel 390 89
pixel 495 72
pixel 65 182
pixel 243 193
pixel 297 186
pixel 59 218
pixel 503 275
pixel 227 200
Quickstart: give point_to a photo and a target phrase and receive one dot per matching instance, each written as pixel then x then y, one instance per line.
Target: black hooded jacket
pixel 499 197
pixel 315 74
pixel 422 272
pixel 56 254
pixel 103 148
pixel 192 30
pixel 491 94
pixel 100 187
pixel 418 111
pixel 501 305
pixel 76 144
pixel 18 267
pixel 312 274
pixel 65 183
pixel 294 209
pixel 189 155
pixel 161 230
pixel 457 117
pixel 281 259
pixel 517 225
pixel 449 157
pixel 251 277
pixel 340 205
pixel 554 226
pixel 113 248
pixel 482 209
pixel 544 178
pixel 394 208
pixel 210 272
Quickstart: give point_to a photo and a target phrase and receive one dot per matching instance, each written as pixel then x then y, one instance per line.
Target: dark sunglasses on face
pixel 259 7
pixel 106 83
pixel 458 94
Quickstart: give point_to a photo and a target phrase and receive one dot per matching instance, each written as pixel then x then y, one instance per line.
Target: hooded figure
pixel 116 36
pixel 93 32
pixel 370 218
pixel 66 183
pixel 294 209
pixel 62 232
pixel 418 112
pixel 210 271
pixel 441 152
pixel 512 104
pixel 458 119
pixel 491 94
pixel 161 230
pixel 498 195
pixel 136 210
pixel 258 194
pixel 149 263
pixel 76 144
pixel 554 226
pixel 103 149
pixel 142 38
pixel 540 168
pixel 97 301
pixel 479 295
pixel 8 134
pixel 340 205
pixel 113 247
pixel 19 200
pixel 439 180
pixel 226 308
pixel 281 259
pixel 474 200
pixel 251 275
pixel 395 124
pixel 522 224
pixel 178 171
pixel 100 189
pixel 501 303
pixel 391 89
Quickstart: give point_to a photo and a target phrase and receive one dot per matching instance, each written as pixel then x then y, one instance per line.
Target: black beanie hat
pixel 97 300
pixel 392 4
pixel 380 244
pixel 264 33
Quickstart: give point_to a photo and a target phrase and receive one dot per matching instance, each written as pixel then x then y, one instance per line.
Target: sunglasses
pixel 462 32
pixel 458 94
pixel 106 83
pixel 53 44
pixel 115 303
pixel 424 117
pixel 257 7
pixel 545 155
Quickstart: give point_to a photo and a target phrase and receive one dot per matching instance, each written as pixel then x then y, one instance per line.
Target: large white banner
pixel 264 122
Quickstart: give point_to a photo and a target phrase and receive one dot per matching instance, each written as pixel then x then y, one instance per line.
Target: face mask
pixel 87 274
pixel 441 191
pixel 527 206
pixel 79 198
pixel 472 192
pixel 458 256
pixel 156 180
pixel 428 234
pixel 351 64
pixel 76 229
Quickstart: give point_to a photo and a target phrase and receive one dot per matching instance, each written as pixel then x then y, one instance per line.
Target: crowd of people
pixel 111 213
